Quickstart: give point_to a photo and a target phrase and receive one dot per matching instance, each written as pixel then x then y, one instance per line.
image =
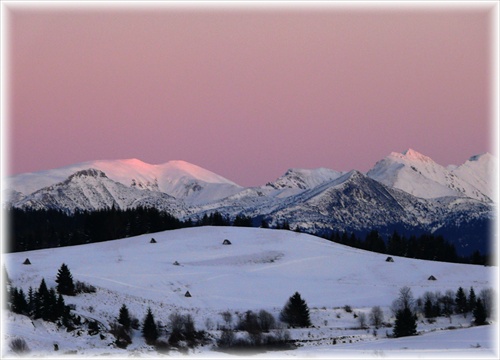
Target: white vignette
pixel 494 12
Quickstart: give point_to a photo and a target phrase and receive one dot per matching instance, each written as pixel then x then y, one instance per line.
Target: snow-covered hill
pixel 260 270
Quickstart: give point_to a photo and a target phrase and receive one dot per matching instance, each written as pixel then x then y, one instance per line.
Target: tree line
pixel 425 246
pixel 39 229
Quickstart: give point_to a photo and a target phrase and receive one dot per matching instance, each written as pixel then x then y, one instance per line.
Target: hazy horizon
pixel 248 92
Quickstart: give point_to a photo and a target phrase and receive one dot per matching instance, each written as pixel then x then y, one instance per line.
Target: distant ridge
pixel 407 192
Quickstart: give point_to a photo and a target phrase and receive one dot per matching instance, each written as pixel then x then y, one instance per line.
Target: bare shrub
pixel 362 320
pixel 122 336
pixel 487 296
pixel 376 316
pixel 81 287
pixel 405 300
pixel 226 339
pixel 19 346
pixel 228 318
pixel 266 320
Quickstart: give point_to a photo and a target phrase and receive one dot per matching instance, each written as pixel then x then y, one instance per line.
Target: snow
pixel 305 178
pixel 261 269
pixel 176 178
pixel 419 175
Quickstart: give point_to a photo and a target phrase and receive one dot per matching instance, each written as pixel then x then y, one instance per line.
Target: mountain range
pixel 407 192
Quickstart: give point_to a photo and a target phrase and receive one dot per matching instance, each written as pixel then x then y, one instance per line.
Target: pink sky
pixel 248 92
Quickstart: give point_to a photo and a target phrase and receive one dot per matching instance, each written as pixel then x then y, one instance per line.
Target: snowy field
pixel 261 269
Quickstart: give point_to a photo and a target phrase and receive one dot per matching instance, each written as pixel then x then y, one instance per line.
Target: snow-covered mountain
pixel 419 175
pixel 92 190
pixel 304 179
pixel 479 171
pixel 180 179
pixel 405 191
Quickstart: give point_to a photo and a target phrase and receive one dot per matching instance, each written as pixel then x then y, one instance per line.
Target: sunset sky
pixel 248 92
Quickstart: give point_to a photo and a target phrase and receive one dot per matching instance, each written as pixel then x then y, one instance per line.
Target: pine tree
pixel 479 313
pixel 461 301
pixel 406 323
pixel 18 301
pixel 471 302
pixel 64 281
pixel 149 328
pixel 31 301
pixel 49 312
pixel 429 308
pixel 406 319
pixel 60 307
pixel 124 317
pixel 296 312
pixel 39 300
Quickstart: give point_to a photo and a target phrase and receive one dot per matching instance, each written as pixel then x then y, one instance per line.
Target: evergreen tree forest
pixel 41 229
pixel 424 246
pixel 43 303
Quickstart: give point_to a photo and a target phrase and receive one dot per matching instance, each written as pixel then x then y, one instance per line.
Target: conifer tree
pixel 124 317
pixel 60 307
pixel 428 308
pixel 149 328
pixel 18 301
pixel 461 301
pixel 471 301
pixel 296 312
pixel 406 319
pixel 479 313
pixel 31 301
pixel 39 300
pixel 49 312
pixel 406 323
pixel 64 281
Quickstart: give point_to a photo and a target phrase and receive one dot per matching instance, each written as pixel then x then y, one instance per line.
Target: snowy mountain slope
pixel 180 179
pixel 255 201
pixel 407 192
pixel 92 190
pixel 260 270
pixel 419 175
pixel 355 202
pixel 304 178
pixel 479 171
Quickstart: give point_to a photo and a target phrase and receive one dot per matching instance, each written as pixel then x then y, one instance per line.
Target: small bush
pixel 226 339
pixel 19 346
pixel 135 323
pixel 228 318
pixel 162 346
pixel 376 316
pixel 83 288
pixel 278 340
pixel 183 332
pixel 348 308
pixel 362 320
pixel 122 336
pixel 93 328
